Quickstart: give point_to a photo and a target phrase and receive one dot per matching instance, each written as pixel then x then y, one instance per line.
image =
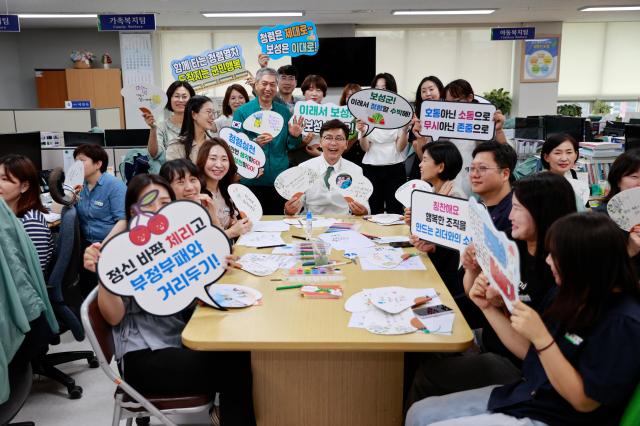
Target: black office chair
pixel 65 298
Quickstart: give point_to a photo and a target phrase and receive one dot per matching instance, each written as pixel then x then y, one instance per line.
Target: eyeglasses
pixel 180 97
pixel 287 77
pixel 331 138
pixel 481 170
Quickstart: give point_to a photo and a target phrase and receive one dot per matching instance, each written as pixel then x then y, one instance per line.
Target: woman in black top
pixel 580 358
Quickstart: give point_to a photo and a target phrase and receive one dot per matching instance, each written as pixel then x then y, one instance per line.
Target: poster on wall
pixel 211 68
pixel 540 60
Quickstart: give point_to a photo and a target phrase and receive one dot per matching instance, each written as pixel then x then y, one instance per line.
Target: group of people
pixel 566 354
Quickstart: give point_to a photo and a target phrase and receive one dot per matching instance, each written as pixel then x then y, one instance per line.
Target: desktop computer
pixel 27 144
pixel 73 139
pixel 128 137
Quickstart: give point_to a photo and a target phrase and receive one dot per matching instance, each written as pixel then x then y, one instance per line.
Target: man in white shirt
pixel 322 198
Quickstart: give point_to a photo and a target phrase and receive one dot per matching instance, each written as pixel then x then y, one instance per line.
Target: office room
pixel 211 213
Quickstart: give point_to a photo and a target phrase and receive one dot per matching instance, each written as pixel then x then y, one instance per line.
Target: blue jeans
pixel 461 408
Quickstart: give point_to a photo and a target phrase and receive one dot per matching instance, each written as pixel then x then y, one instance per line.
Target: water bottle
pixel 308 226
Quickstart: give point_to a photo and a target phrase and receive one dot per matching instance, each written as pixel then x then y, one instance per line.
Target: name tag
pixel 98 203
pixel 573 338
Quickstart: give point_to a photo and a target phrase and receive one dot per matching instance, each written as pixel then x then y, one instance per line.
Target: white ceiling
pixel 186 13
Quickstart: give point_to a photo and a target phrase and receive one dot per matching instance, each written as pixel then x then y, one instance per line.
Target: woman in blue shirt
pixel 580 359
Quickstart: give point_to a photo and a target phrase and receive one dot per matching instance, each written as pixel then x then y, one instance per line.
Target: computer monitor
pixel 80 138
pixel 128 137
pixel 27 144
pixel 631 136
pixel 563 124
pixel 529 128
pixel 634 121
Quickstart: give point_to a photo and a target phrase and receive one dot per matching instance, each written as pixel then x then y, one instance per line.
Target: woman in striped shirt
pixel 20 189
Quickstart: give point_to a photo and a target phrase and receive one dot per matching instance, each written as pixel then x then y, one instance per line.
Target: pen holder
pixel 319 252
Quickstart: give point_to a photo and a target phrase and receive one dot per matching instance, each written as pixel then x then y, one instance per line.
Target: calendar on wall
pixel 136 52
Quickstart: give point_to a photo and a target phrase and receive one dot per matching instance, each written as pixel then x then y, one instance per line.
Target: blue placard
pixel 9 23
pixel 77 104
pixel 133 22
pixel 517 33
pixel 295 39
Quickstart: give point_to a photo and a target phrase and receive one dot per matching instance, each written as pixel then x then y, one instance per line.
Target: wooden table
pixel 309 368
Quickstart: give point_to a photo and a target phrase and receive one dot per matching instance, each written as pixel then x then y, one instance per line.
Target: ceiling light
pixel 444 12
pixel 250 14
pixel 609 8
pixel 55 15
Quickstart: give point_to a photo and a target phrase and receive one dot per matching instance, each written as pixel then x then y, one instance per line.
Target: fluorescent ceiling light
pixel 444 12
pixel 609 8
pixel 249 14
pixel 56 15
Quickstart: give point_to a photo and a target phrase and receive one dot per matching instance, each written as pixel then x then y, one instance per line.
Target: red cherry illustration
pixel 158 224
pixel 139 235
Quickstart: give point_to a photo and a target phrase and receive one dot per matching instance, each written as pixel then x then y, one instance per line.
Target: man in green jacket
pixel 275 147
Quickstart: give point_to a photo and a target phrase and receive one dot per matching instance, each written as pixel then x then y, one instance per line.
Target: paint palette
pixel 313 274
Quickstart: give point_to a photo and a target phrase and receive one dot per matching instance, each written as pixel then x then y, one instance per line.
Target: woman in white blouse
pixel 383 161
pixel 234 97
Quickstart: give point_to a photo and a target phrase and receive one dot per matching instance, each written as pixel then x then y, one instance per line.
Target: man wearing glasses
pixel 322 198
pixel 287 82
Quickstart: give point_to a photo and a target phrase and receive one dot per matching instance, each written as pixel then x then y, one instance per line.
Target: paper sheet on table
pixel 439 324
pixel 380 322
pixel 265 264
pixel 361 301
pixel 347 240
pixel 387 219
pixel 270 226
pixel 316 222
pixel 392 239
pixel 260 239
pixel 411 264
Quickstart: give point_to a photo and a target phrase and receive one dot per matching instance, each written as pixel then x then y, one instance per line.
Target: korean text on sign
pixel 457 120
pixel 211 67
pixel 298 38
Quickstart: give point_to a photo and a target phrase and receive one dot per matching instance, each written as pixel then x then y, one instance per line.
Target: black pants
pixel 272 203
pixel 174 371
pixel 386 180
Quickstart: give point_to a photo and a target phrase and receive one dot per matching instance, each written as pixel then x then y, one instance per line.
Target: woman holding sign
pixel 197 123
pixel 624 175
pixel 383 161
pixel 215 162
pixel 178 94
pixel 579 358
pixel 461 91
pixel 429 89
pixel 149 348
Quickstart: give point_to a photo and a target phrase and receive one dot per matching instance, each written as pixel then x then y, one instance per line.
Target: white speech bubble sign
pixel 496 254
pixel 624 209
pixel 245 201
pixel 457 120
pixel 74 175
pixel 294 181
pixel 355 186
pixel 145 96
pixel 403 194
pixel 247 154
pixel 315 115
pixel 264 122
pixel 165 259
pixel 381 109
pixel 233 295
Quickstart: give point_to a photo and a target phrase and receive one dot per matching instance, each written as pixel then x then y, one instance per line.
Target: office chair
pixel 20 379
pixel 63 295
pixel 129 403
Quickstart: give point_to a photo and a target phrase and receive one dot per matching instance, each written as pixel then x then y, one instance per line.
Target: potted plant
pixel 82 59
pixel 572 110
pixel 501 99
pixel 600 107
